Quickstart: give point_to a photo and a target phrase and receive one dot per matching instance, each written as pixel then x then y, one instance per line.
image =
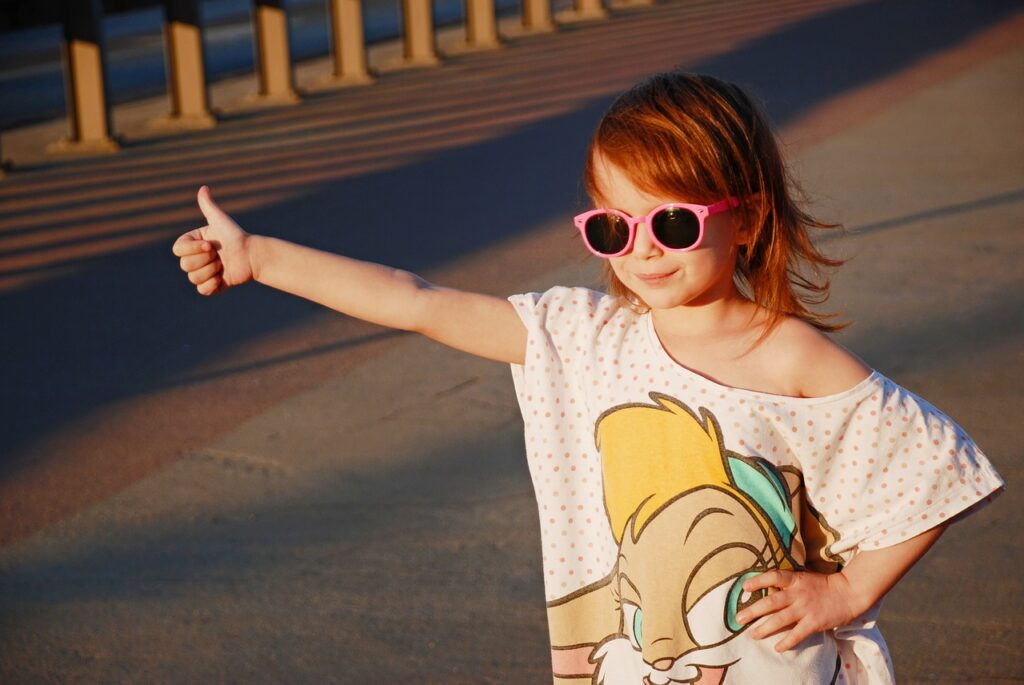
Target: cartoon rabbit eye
pixel 633 619
pixel 740 599
pixel 712 619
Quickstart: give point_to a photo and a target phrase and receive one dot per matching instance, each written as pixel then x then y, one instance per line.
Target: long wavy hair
pixel 701 139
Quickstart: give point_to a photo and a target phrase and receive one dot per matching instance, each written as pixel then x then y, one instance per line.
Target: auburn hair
pixel 701 139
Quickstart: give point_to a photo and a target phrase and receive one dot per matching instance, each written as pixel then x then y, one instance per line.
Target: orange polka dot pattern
pixel 879 463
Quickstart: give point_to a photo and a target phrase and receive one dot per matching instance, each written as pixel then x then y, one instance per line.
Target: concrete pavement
pixel 247 489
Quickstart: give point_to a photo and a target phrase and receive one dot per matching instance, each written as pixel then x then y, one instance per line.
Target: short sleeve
pixel 561 326
pixel 895 467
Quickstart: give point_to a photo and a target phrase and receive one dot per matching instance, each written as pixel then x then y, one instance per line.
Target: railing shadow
pixel 115 324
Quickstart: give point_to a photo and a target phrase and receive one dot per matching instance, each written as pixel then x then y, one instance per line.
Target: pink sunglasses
pixel 674 227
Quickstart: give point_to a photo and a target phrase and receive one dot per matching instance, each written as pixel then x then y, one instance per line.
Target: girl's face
pixel 666 280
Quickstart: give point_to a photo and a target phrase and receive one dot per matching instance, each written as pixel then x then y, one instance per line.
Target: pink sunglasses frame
pixel 701 211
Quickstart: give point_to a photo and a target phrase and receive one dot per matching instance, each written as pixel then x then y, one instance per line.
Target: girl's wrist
pixel 255 250
pixel 852 597
pixel 858 599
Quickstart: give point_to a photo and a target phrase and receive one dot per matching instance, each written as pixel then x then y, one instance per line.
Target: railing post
pixel 537 16
pixel 420 49
pixel 348 44
pixel 584 10
pixel 273 61
pixel 481 25
pixel 85 86
pixel 186 73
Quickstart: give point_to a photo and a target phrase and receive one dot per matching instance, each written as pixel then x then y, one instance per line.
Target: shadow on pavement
pixel 128 323
pixel 359 567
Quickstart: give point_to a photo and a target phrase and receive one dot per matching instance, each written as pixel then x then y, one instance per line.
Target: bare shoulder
pixel 813 363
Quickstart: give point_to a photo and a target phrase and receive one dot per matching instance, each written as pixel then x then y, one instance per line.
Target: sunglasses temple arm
pixel 722 206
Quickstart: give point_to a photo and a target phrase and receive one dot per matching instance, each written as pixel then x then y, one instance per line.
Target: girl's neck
pixel 724 342
pixel 729 316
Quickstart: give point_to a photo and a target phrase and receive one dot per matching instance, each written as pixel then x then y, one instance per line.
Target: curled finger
pixel 196 261
pixel 189 244
pixel 205 273
pixel 210 287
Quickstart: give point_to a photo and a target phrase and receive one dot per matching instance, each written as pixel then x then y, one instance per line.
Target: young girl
pixel 711 469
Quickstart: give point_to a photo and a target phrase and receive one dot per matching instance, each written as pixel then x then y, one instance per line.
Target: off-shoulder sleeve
pixel 889 466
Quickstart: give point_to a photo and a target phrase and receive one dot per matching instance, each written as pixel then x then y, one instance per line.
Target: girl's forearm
pixel 371 292
pixel 483 325
pixel 871 574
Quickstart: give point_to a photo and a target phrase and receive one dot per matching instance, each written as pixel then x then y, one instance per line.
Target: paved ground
pixel 248 489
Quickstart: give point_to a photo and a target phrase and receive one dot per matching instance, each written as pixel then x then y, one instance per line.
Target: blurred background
pixel 31 81
pixel 248 488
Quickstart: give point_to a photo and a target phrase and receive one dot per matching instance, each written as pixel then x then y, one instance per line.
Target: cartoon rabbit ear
pixel 794 482
pixel 819 537
pixel 762 483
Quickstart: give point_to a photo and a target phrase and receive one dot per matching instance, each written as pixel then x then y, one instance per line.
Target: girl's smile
pixel 655 279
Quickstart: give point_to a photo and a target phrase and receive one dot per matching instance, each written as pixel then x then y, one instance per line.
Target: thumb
pixel 210 209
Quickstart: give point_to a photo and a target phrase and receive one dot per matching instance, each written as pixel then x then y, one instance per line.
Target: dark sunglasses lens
pixel 676 228
pixel 607 233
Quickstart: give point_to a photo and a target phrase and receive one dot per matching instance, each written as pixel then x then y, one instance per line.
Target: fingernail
pixel 741 617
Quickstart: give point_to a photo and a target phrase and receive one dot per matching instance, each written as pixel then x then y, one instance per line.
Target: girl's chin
pixel 659 288
pixel 660 298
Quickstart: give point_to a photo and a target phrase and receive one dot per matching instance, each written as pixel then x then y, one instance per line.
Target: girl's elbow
pixel 414 310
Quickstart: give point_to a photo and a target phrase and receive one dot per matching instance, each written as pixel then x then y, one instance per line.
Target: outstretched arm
pixel 806 602
pixel 221 255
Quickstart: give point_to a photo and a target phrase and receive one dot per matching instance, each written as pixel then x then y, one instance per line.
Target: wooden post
pixel 85 86
pixel 481 25
pixel 590 9
pixel 348 44
pixel 273 60
pixel 537 16
pixel 420 49
pixel 584 10
pixel 186 73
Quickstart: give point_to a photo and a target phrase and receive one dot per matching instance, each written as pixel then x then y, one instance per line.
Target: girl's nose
pixel 643 246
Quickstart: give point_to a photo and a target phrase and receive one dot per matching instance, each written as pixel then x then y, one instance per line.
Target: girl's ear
pixel 742 223
pixel 743 219
pixel 746 216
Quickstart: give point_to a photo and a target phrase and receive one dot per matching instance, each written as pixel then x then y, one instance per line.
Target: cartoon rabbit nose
pixel 662 664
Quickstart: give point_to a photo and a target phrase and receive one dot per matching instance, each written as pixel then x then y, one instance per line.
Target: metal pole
pixel 186 74
pixel 274 64
pixel 348 43
pixel 84 80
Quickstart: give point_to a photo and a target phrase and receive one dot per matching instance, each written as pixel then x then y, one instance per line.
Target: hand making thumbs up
pixel 216 256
